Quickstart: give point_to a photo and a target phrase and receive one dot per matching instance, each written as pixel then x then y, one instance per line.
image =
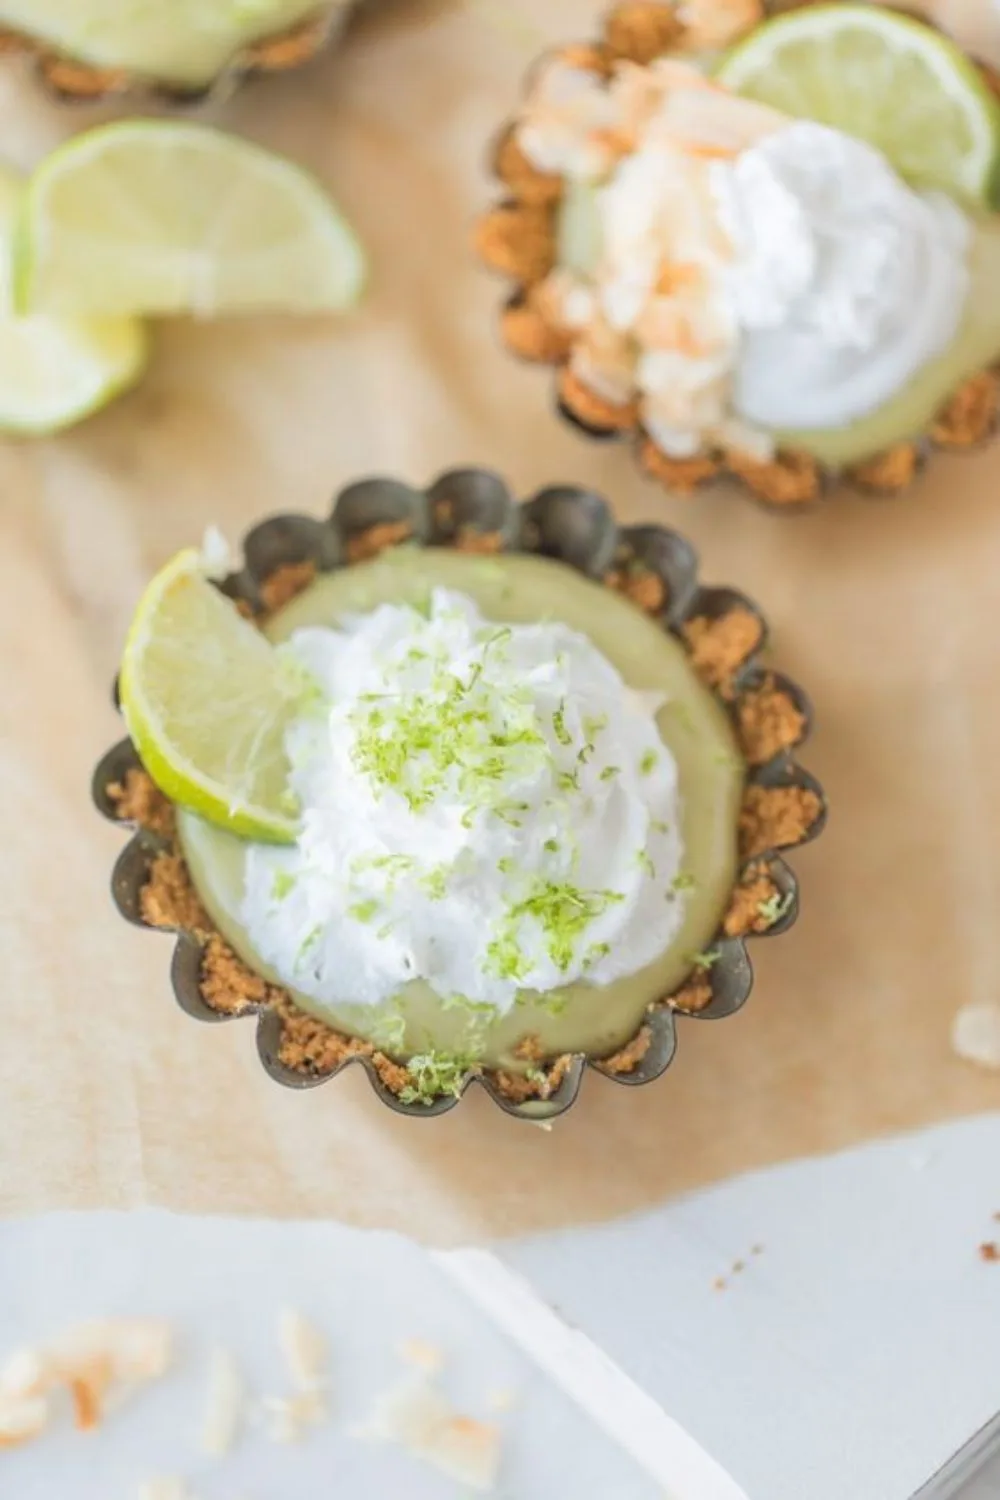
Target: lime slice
pixel 55 371
pixel 207 700
pixel 185 42
pixel 890 80
pixel 147 216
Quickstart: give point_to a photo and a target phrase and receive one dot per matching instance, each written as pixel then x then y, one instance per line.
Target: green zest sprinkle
pixel 423 605
pixel 775 907
pixel 282 885
pixel 658 826
pixel 562 911
pixel 593 724
pixel 648 762
pixel 309 941
pixel 505 865
pixel 568 781
pixel 559 729
pixel 595 953
pixel 707 960
pixel 363 910
pixel 435 883
pixel 610 771
pixel 536 1075
pixel 683 882
pixel 551 846
pixel 644 862
pixel 433 1074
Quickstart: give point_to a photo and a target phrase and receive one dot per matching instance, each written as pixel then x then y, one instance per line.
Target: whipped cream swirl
pixel 485 807
pixel 844 280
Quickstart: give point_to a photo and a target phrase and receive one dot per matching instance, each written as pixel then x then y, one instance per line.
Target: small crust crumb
pixel 168 898
pixel 518 240
pixel 529 334
pixel 681 475
pixel 137 799
pixel 721 645
pixel 479 543
pixel 227 984
pixel 889 471
pixel 641 31
pixel 989 1251
pixel 970 414
pixel 628 1058
pixel 768 722
pixel 375 539
pixel 693 996
pixel 521 177
pixel 592 410
pixel 644 587
pixel 754 892
pixel 415 1414
pixel 79 80
pixel 282 586
pixel 776 817
pixel 788 479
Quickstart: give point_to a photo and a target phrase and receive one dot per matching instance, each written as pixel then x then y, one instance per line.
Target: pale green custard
pixel 579 1017
pixel 183 42
pixel 909 413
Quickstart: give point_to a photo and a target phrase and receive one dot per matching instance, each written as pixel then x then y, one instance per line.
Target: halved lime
pixel 55 371
pixel 151 216
pixel 883 77
pixel 207 700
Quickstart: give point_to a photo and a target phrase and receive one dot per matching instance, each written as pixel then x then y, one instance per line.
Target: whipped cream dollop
pixel 844 281
pixel 730 269
pixel 485 807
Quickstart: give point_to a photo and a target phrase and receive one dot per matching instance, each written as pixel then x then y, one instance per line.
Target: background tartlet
pixel 76 79
pixel 518 238
pixel 724 633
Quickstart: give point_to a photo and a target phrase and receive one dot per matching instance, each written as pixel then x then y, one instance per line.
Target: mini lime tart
pixel 457 789
pixel 761 249
pixel 89 49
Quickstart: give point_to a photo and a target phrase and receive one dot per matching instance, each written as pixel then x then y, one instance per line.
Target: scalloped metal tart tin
pixel 71 80
pixel 471 509
pixel 517 238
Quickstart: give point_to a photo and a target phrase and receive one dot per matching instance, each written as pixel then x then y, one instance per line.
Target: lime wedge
pixel 148 216
pixel 206 700
pixel 890 80
pixel 55 371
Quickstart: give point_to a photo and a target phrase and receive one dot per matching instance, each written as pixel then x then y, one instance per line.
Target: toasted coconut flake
pixel 422 1355
pixel 287 1419
pixel 22 1419
pixel 415 1414
pixel 164 1487
pixel 975 1034
pixel 304 1348
pixel 103 1361
pixel 224 1404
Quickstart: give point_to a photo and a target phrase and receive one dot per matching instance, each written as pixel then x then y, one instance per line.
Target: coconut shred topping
pixel 485 807
pixel 742 271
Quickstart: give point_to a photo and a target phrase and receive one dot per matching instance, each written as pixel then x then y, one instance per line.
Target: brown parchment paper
pixel 887 612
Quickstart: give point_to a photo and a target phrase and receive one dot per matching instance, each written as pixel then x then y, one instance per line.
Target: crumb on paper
pixel 422 1355
pixel 719 1284
pixel 416 1415
pixel 224 1403
pixel 989 1250
pixel 98 1363
pixel 975 1034
pixel 304 1348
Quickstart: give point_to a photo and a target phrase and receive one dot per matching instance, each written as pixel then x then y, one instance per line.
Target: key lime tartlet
pixel 760 248
pixel 457 789
pixel 88 49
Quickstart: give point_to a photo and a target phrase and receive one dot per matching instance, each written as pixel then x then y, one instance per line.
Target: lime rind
pixel 208 746
pixel 967 164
